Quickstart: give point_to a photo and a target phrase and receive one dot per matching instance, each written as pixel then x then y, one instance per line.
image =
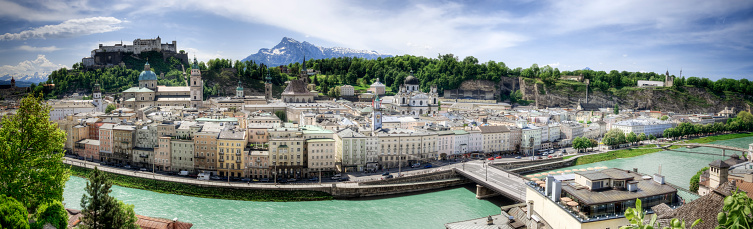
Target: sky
pixel 712 39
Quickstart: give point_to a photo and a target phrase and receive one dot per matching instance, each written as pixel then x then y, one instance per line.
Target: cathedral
pixel 300 90
pixel 148 93
pixel 411 101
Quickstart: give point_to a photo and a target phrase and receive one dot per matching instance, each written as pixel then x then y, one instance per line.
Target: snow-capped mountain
pixel 36 78
pixel 291 51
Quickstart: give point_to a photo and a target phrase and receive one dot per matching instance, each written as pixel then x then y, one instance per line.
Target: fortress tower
pixel 197 87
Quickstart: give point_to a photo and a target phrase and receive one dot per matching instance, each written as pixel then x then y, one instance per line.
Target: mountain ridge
pixel 290 50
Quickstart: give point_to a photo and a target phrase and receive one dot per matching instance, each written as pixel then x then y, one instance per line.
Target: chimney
pixel 556 190
pixel 549 181
pixel 658 178
pixel 529 212
pixel 635 170
pixel 632 186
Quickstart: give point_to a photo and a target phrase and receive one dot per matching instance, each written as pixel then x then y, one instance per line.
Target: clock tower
pixel 377 114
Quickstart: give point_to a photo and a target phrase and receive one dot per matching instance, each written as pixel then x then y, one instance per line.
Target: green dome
pixel 147 74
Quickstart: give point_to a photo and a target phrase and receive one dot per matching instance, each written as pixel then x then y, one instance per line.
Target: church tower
pixel 377 114
pixel 239 90
pixel 12 82
pixel 668 80
pixel 305 72
pixel 268 87
pixel 97 97
pixel 197 87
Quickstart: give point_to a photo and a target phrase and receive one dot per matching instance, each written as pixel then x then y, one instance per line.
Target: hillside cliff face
pixel 691 100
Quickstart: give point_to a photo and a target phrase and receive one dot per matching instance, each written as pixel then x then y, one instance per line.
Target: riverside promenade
pixel 348 189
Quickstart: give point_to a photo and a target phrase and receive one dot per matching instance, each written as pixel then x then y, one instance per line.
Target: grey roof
pixel 296 87
pixel 493 129
pixel 232 134
pixel 719 164
pixel 593 175
pixel 646 188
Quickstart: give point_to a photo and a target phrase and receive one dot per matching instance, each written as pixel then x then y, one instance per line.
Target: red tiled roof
pixel 747 187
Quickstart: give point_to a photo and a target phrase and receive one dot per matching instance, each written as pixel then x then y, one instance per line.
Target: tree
pixel 282 116
pixel 694 181
pixel 664 118
pixel 636 217
pixel 642 137
pixel 110 108
pixel 736 211
pixel 580 143
pixel 31 165
pixel 631 137
pixel 53 213
pixel 12 213
pixel 99 209
pixel 652 137
pixel 616 109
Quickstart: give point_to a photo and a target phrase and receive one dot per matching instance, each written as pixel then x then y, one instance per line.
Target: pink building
pixel 162 153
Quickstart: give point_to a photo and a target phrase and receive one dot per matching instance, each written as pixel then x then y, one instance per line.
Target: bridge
pixel 694 145
pixel 491 179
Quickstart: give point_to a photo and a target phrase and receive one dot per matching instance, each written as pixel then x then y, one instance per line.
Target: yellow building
pixel 230 158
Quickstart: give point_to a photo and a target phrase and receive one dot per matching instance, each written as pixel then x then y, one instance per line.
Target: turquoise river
pixel 422 210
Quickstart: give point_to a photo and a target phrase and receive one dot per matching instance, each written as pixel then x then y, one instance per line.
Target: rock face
pixel 691 100
pixel 292 51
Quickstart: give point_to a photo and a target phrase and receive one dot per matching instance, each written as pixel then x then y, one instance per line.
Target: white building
pixel 475 141
pixel 377 88
pixel 62 108
pixel 347 90
pixel 530 138
pixel 460 142
pixel 654 127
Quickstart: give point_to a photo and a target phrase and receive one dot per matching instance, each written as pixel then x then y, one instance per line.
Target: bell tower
pixel 239 90
pixel 377 114
pixel 197 87
pixel 97 97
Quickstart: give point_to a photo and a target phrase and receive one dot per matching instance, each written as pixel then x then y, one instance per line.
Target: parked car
pixel 499 157
pixel 265 180
pixel 313 179
pixel 246 179
pixel 491 159
pixel 142 169
pixel 385 173
pixel 127 166
pixel 215 177
pixel 428 166
pixel 335 177
pixel 345 178
pixel 388 177
pixel 282 180
pixel 292 180
pixel 518 157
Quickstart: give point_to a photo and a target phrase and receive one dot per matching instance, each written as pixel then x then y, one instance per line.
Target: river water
pixel 423 210
pixel 677 167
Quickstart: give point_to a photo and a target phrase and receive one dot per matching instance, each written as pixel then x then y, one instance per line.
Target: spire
pixel 195 63
pixel 304 62
pixel 146 65
pixel 268 78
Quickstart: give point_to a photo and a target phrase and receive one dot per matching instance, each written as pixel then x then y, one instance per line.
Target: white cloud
pixel 554 65
pixel 203 56
pixel 69 28
pixel 430 28
pixel 40 67
pixel 37 49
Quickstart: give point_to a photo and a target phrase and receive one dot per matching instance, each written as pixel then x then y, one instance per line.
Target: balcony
pixel 144 156
pixel 222 160
pixel 237 154
pixel 197 156
pixel 222 153
pixel 238 161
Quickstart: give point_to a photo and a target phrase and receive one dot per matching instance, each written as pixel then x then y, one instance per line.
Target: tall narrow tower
pixel 268 87
pixel 239 90
pixel 197 87
pixel 97 97
pixel 377 114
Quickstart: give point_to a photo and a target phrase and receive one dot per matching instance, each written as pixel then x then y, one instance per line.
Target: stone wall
pixel 441 175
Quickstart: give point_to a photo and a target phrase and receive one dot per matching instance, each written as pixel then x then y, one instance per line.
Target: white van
pixel 183 173
pixel 336 177
pixel 203 176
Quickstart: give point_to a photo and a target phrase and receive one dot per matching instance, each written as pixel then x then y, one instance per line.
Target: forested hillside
pixel 446 71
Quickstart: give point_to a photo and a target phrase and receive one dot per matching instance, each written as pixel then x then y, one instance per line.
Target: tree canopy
pixel 100 210
pixel 31 166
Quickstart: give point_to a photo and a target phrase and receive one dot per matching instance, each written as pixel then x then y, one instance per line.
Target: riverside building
pixel 596 199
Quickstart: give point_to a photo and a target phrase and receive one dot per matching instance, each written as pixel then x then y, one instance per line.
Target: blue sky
pixel 712 39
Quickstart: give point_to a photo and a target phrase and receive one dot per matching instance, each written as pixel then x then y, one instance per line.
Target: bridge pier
pixel 483 192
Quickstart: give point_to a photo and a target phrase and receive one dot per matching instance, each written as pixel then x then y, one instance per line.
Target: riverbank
pixel 208 192
pixel 633 152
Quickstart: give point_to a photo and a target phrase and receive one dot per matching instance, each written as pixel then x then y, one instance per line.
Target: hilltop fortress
pixel 106 56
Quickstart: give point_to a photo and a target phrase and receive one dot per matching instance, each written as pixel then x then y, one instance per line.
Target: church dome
pixel 411 80
pixel 147 74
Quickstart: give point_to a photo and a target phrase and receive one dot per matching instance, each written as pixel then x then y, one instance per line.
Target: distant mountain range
pixel 291 51
pixel 27 79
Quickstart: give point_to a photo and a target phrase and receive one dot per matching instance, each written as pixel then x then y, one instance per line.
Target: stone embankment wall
pixel 441 175
pixel 524 163
pixel 391 189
